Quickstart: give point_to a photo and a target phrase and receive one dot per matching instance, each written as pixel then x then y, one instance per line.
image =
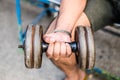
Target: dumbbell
pixel 83 47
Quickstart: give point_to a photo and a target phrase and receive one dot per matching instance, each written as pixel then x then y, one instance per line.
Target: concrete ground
pixel 12 59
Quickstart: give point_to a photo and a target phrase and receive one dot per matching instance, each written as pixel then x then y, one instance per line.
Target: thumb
pixel 48 39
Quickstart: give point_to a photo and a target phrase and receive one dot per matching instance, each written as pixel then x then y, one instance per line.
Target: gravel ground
pixel 11 58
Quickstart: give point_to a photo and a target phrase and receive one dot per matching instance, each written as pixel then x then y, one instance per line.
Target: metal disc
pixel 37 46
pixel 28 47
pixel 90 48
pixel 81 47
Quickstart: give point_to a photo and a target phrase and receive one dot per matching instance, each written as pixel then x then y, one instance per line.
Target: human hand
pixel 58 47
pixel 60 52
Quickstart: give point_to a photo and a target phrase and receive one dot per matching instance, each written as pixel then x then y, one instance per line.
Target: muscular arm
pixel 70 11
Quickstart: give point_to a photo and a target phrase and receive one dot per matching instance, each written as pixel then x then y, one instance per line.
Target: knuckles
pixel 58 50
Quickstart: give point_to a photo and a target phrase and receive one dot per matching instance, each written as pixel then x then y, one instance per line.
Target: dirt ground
pixel 12 59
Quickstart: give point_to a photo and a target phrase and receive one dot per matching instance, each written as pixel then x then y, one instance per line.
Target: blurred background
pixel 107 42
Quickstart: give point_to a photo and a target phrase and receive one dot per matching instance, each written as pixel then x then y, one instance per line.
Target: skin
pixel 59 51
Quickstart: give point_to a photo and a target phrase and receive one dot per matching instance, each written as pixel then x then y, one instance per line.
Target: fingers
pixel 58 50
pixel 68 50
pixel 63 50
pixel 50 50
pixel 56 53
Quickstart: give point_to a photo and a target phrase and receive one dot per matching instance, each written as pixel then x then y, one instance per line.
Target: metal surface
pixel 82 47
pixel 37 47
pixel 33 46
pixel 90 48
pixel 28 48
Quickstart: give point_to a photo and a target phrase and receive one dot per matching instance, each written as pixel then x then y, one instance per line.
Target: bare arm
pixel 60 53
pixel 70 11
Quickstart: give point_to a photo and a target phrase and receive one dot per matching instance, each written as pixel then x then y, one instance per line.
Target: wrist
pixel 64 25
pixel 76 74
pixel 66 28
pixel 62 31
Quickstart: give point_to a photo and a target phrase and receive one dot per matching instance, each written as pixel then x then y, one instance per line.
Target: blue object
pixel 18 13
pixel 38 3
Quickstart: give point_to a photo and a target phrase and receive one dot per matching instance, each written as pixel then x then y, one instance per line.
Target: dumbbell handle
pixel 45 45
pixel 73 46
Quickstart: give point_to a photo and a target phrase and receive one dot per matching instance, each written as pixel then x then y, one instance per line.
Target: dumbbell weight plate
pixel 90 48
pixel 81 55
pixel 28 47
pixel 33 47
pixel 37 46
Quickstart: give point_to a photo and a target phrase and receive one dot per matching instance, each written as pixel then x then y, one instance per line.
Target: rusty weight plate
pixel 90 48
pixel 28 47
pixel 33 49
pixel 81 55
pixel 38 46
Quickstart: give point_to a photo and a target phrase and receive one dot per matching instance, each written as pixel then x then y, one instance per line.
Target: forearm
pixel 70 11
pixel 75 75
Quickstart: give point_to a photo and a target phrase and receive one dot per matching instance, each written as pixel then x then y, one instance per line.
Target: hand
pixel 58 48
pixel 61 55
